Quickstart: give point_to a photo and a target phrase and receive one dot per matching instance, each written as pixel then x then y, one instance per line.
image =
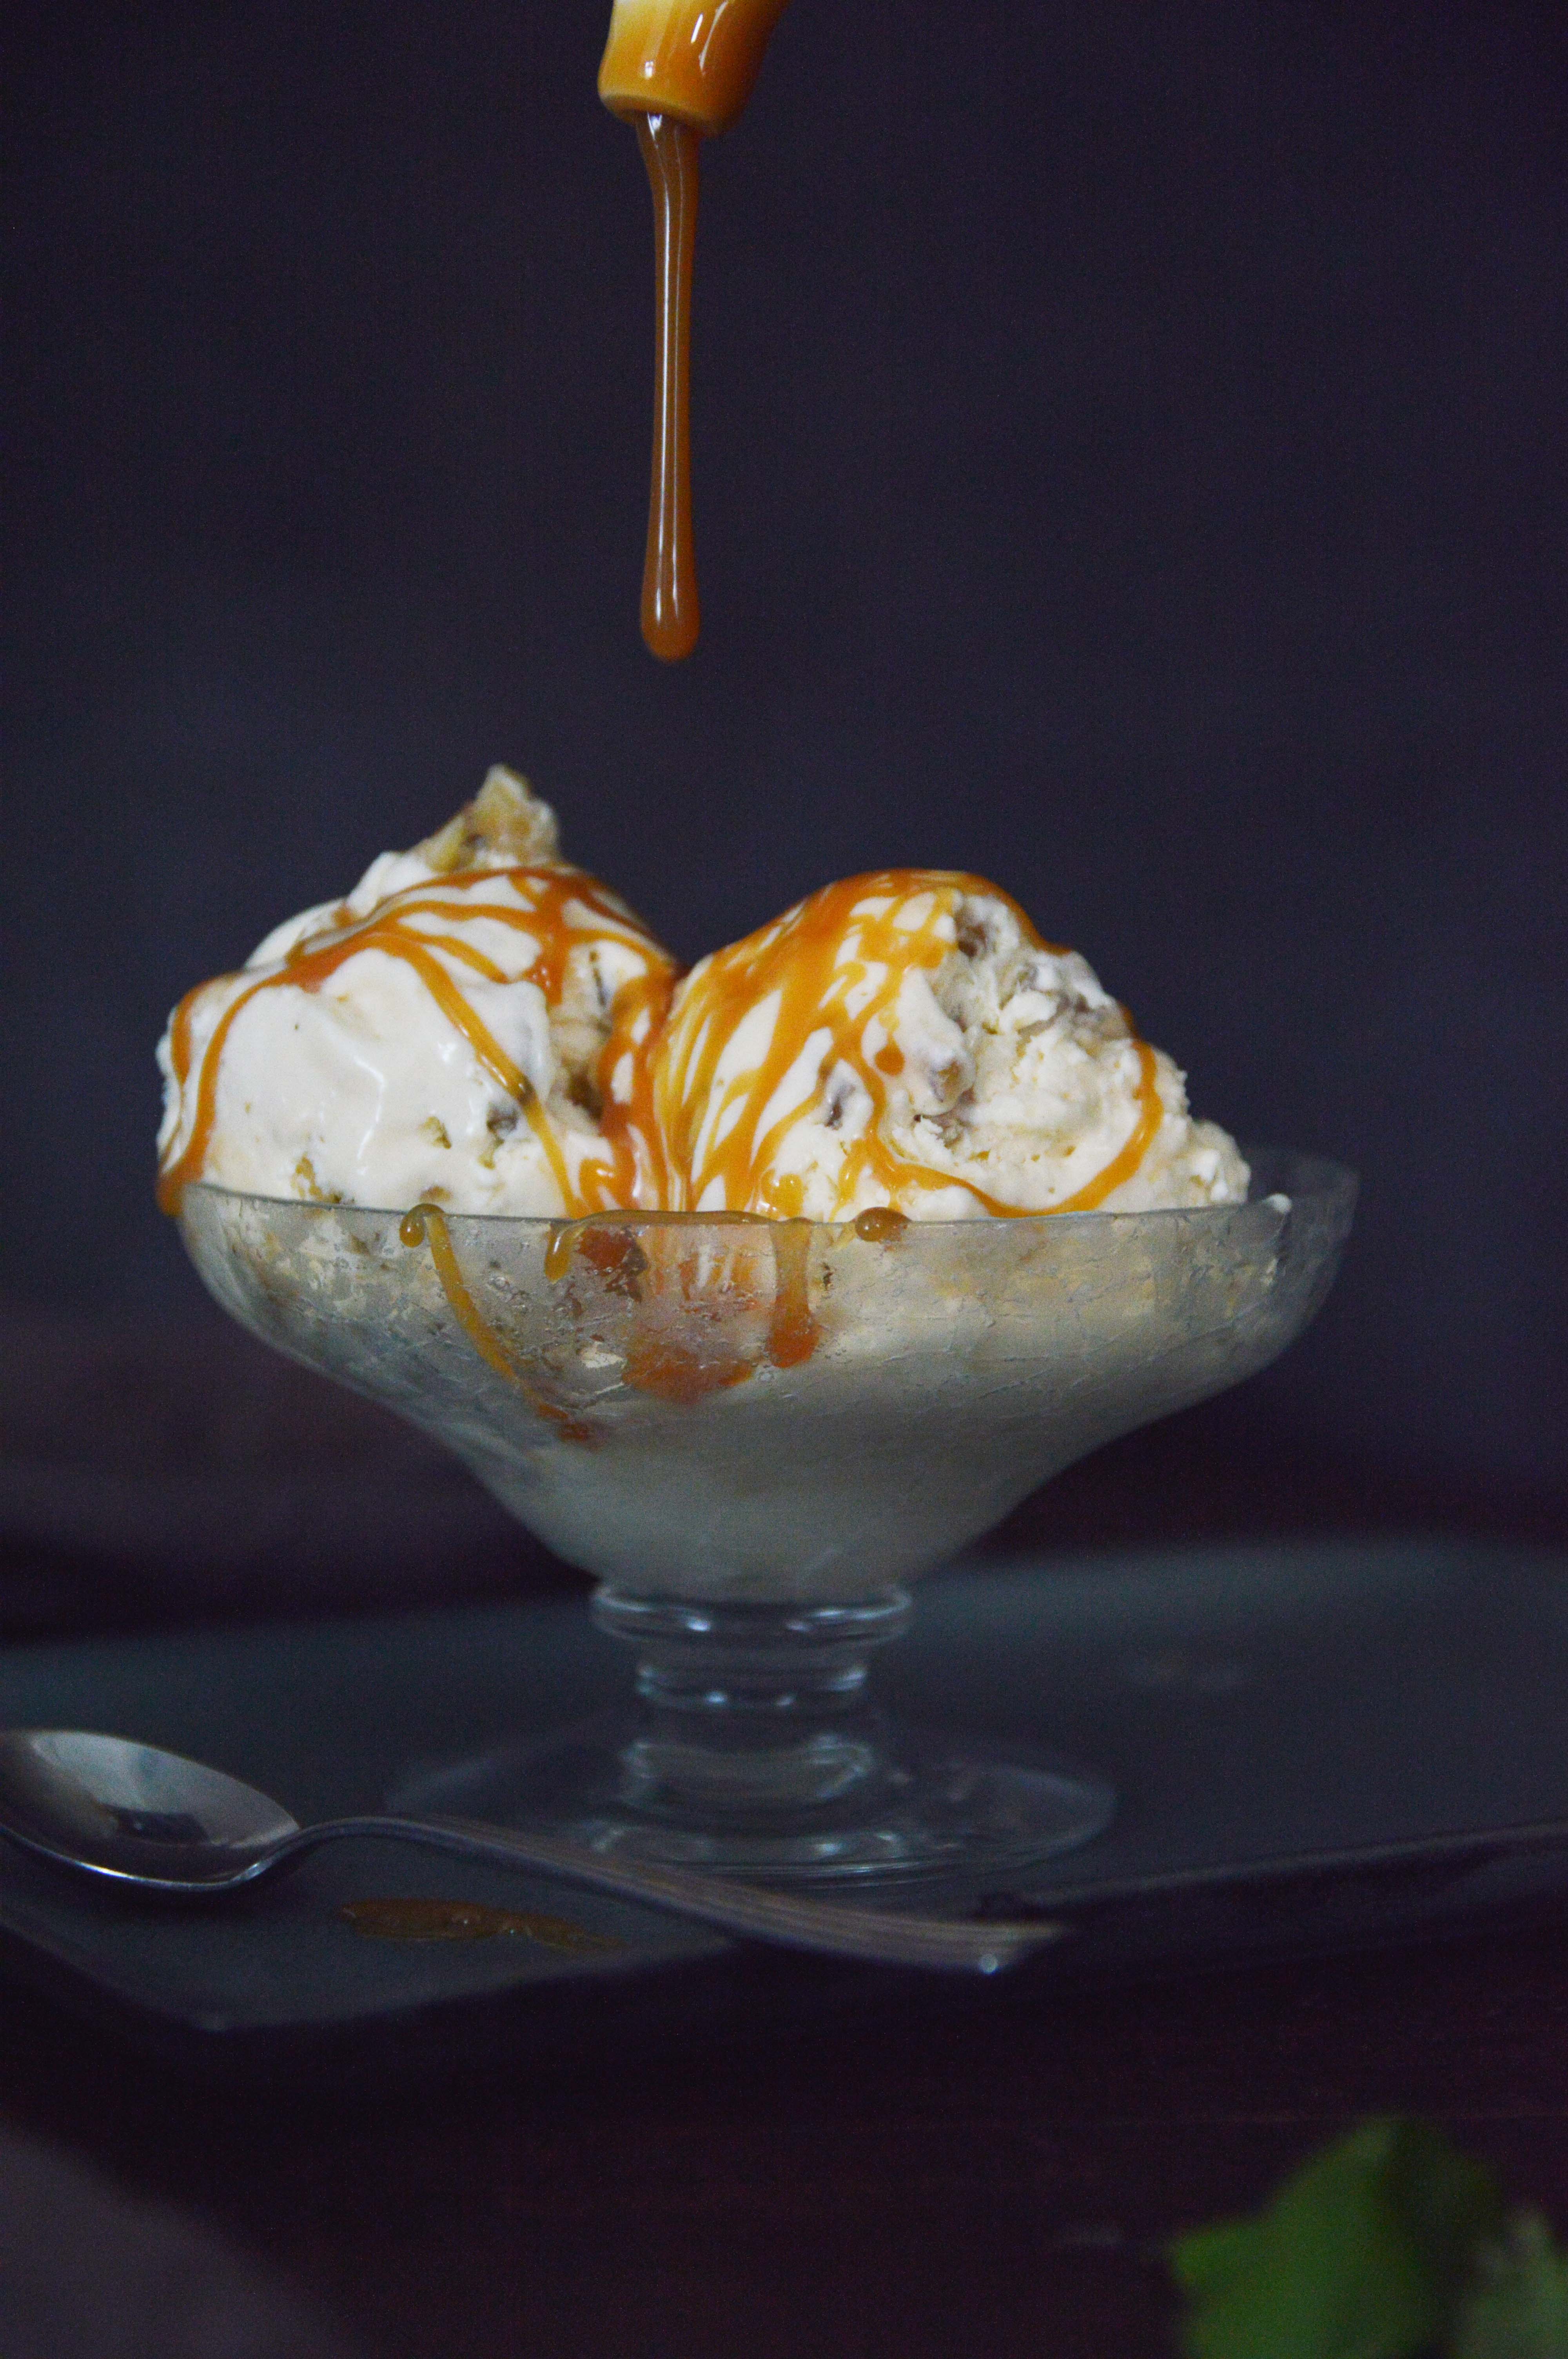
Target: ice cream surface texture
pixel 482 1027
pixel 449 1033
pixel 906 1039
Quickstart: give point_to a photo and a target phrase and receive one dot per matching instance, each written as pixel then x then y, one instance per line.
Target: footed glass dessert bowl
pixel 755 1433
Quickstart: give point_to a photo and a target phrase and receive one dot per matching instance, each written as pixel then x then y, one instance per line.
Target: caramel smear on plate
pixel 471 1920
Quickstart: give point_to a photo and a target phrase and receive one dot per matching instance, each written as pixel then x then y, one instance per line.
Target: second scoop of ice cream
pixel 907 1039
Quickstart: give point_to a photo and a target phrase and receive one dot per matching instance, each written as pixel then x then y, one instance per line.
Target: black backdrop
pixel 1129 461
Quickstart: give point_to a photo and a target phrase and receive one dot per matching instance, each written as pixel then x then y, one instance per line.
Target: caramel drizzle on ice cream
pixel 683 1121
pixel 829 971
pixel 561 909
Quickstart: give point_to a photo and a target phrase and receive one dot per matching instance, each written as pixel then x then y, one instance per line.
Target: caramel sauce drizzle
pixel 657 1363
pixel 427 1224
pixel 834 964
pixel 793 1333
pixel 666 1370
pixel 1124 1163
pixel 671 615
pixel 562 908
pixel 678 70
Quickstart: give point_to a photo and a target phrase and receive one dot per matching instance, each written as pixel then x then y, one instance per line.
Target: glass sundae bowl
pixel 755 1434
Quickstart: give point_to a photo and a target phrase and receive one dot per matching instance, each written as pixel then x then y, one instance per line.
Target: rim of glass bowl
pixel 1318 1176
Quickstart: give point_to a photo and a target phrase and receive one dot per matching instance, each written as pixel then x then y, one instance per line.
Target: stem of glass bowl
pixel 749 1709
pixel 751 1750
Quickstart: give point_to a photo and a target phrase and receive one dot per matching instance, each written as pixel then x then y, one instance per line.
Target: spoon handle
pixel 882 1937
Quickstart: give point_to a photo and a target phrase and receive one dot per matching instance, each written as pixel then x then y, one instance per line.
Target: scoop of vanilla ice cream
pixel 442 1034
pixel 906 1039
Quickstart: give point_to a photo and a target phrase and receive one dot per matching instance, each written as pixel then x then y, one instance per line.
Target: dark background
pixel 1129 461
pixel 1129 457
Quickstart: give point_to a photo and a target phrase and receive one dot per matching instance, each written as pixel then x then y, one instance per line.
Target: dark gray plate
pixel 1267 1709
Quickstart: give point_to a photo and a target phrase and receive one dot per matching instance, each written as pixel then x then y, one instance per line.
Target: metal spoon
pixel 166 1824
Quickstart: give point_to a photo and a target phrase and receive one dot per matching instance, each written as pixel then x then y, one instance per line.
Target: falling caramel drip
pixel 678 70
pixel 632 1163
pixel 671 615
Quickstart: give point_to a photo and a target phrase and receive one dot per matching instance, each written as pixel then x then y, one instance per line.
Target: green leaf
pixel 1518 2308
pixel 1449 2203
pixel 1362 2254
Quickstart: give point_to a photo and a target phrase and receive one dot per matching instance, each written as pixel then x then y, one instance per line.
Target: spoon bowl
pixel 136 1812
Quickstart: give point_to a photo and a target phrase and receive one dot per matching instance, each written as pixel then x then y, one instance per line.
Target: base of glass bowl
pixel 751 1751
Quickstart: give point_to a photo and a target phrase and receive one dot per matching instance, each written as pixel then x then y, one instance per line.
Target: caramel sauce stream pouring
pixel 670 612
pixel 679 71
